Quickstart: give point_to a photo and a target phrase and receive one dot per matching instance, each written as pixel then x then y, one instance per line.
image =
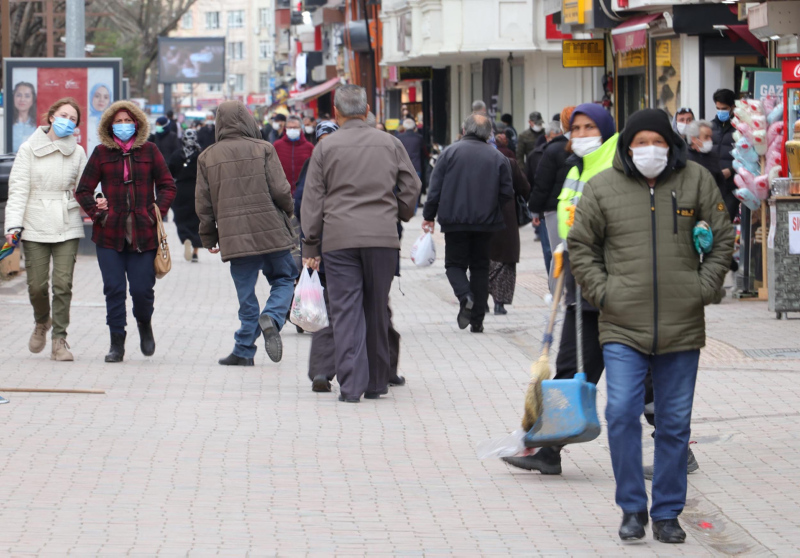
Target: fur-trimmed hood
pixel 142 124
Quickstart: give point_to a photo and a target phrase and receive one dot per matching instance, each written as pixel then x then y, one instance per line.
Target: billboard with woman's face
pixel 36 83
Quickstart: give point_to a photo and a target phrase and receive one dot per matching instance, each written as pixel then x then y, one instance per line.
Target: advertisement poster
pixel 37 83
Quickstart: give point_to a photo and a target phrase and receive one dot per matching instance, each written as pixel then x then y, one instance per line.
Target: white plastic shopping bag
pixel 423 253
pixel 308 308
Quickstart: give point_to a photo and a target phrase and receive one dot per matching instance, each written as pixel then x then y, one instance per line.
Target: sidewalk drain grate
pixel 772 353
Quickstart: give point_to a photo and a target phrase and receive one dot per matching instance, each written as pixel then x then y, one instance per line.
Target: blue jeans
pixel 674 376
pixel 127 269
pixel 544 238
pixel 280 271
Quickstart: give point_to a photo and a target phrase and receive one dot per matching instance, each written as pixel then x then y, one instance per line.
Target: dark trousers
pixel 469 250
pixel 322 356
pixel 359 281
pixel 118 269
pixel 188 224
pixel 567 360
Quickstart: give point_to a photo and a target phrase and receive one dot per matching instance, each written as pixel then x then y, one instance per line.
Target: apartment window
pixel 264 49
pixel 214 87
pixel 236 50
pixel 212 20
pixel 186 21
pixel 263 81
pixel 263 18
pixel 236 18
pixel 239 86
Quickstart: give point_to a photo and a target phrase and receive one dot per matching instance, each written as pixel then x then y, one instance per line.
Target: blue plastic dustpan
pixel 569 415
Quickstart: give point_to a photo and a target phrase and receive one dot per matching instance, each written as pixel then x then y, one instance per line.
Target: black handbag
pixel 524 214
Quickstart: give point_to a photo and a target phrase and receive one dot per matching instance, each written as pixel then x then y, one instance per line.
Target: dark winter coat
pixel 243 199
pixel 292 155
pixel 723 145
pixel 150 182
pixel 468 187
pixel 526 142
pixel 631 250
pixel 505 244
pixel 206 135
pixel 711 163
pixel 415 146
pixel 185 173
pixel 550 176
pixel 167 143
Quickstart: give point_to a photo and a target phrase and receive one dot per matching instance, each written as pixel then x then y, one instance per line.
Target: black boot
pixel 547 461
pixel 668 531
pixel 233 360
pixel 117 350
pixel 465 312
pixel 146 341
pixel 632 527
pixel 500 310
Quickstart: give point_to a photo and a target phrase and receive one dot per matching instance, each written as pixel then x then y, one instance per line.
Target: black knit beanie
pixel 652 120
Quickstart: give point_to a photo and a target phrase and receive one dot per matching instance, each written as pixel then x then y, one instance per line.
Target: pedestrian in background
pixel 593 144
pixel 414 144
pixel 172 124
pixel 683 117
pixel 360 182
pixel 511 132
pixel 41 205
pixel 244 204
pixel 207 135
pixel 309 129
pixel 469 185
pixel 504 248
pixel 549 177
pixel 633 254
pixel 526 142
pixel 183 166
pixel 293 150
pixel 165 139
pixel 552 132
pixel 133 176
pixel 273 130
pixel 724 100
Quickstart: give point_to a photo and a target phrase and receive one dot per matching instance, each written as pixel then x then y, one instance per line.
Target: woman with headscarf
pixel 183 166
pixel 23 117
pixel 593 144
pixel 42 205
pixel 683 117
pixel 135 183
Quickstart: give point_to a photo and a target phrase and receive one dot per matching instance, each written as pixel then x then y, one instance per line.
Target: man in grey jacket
pixel 244 203
pixel 360 181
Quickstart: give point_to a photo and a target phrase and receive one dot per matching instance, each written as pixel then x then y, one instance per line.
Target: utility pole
pixel 5 27
pixel 76 28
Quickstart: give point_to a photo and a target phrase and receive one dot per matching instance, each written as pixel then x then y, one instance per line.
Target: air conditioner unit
pixel 772 20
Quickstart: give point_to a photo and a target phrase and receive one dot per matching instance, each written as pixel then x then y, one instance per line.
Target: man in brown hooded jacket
pixel 244 203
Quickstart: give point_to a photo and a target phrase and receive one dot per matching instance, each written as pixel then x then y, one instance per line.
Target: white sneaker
pixel 187 250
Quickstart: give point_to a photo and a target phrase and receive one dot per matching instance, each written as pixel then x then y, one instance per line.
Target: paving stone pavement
pixel 184 457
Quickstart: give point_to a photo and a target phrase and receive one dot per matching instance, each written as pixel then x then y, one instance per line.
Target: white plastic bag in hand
pixel 423 253
pixel 308 307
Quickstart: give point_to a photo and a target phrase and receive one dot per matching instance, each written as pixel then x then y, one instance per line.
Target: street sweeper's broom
pixel 540 370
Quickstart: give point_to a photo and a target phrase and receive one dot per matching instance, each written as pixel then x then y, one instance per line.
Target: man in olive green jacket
pixel 632 251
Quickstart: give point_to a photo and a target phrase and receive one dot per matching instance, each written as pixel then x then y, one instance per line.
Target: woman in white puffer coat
pixel 41 203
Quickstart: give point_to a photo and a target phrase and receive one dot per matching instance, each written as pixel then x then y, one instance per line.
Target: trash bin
pixel 783 255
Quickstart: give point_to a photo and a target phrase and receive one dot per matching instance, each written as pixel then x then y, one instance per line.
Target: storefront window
pixel 631 83
pixel 666 74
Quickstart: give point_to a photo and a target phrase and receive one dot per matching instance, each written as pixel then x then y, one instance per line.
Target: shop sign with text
pixel 573 11
pixel 583 53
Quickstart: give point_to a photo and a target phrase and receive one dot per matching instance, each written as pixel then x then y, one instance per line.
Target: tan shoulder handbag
pixel 163 262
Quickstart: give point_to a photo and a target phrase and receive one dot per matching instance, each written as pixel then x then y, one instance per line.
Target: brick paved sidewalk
pixel 184 456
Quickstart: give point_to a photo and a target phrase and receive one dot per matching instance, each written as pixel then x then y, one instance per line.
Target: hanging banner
pixel 491 85
pixel 583 53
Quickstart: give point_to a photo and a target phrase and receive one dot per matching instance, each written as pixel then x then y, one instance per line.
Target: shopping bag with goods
pixel 423 253
pixel 308 307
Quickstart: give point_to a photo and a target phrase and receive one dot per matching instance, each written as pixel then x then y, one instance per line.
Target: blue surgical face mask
pixel 723 115
pixel 63 127
pixel 124 131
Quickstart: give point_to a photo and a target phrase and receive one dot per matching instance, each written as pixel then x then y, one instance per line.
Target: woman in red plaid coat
pixel 133 176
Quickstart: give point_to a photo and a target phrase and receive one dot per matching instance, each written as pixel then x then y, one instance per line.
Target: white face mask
pixel 537 128
pixel 651 160
pixel 707 146
pixel 583 146
pixel 309 129
pixel 681 126
pixel 276 126
pixel 293 133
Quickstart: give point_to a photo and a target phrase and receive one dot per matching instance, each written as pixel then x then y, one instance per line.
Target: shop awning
pixel 314 92
pixel 736 32
pixel 632 34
